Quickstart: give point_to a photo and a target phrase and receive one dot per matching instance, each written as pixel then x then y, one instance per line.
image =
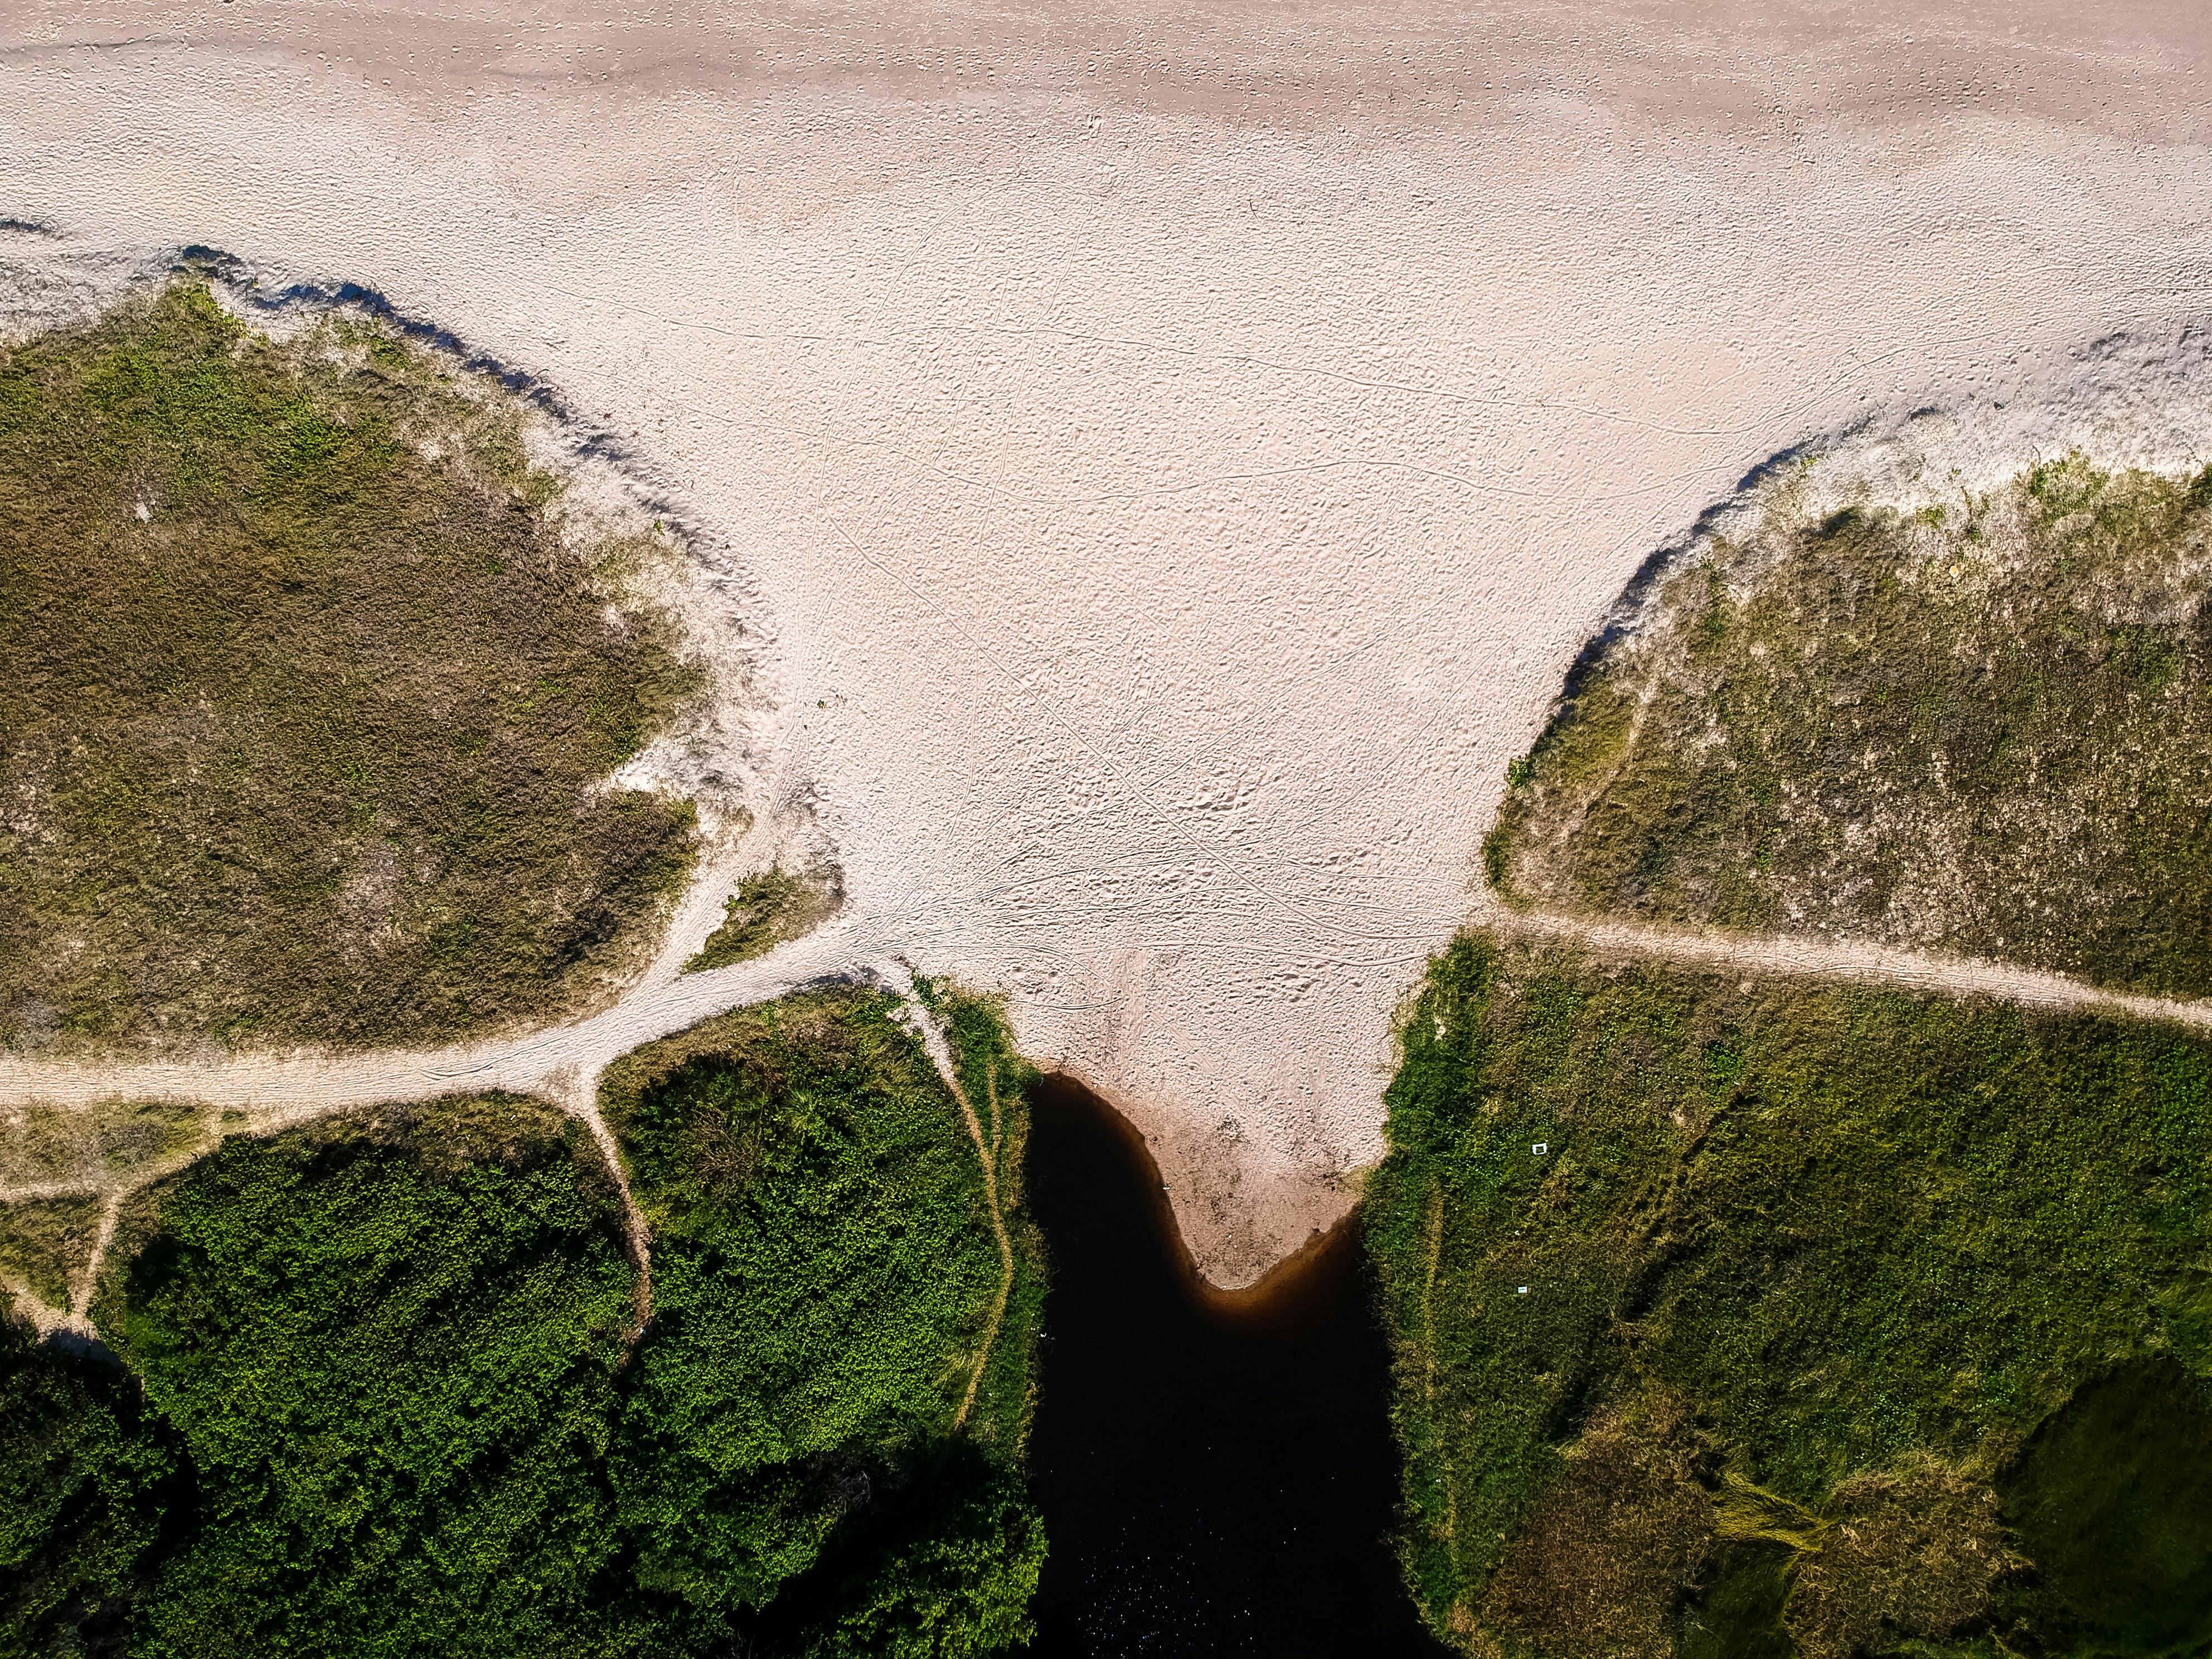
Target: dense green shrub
pixel 2113 1502
pixel 826 1284
pixel 1757 1347
pixel 1981 728
pixel 308 703
pixel 389 1347
pixel 951 1578
pixel 396 1403
pixel 88 1478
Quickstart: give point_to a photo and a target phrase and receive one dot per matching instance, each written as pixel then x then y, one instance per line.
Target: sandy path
pixel 273 1091
pixel 1839 962
pixel 1166 456
pixel 563 1064
pixel 987 1156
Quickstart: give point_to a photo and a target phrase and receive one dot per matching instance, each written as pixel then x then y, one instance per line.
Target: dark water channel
pixel 1216 1472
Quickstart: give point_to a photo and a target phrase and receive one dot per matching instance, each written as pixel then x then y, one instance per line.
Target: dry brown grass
pixel 46 1243
pixel 309 703
pixel 44 1145
pixel 1978 730
pixel 1904 1554
pixel 1596 1570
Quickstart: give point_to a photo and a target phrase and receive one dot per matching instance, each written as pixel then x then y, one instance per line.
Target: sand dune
pixel 1166 460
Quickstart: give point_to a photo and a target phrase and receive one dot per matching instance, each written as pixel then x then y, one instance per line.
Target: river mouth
pixel 1215 1469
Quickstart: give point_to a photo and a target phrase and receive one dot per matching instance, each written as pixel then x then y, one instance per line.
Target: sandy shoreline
pixel 1170 461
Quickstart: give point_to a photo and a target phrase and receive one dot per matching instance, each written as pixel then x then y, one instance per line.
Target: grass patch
pixel 825 1274
pixel 767 910
pixel 92 1144
pixel 45 1244
pixel 309 704
pixel 1982 730
pixel 1815 1278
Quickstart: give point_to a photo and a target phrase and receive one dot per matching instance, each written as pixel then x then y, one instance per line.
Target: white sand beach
pixel 1164 459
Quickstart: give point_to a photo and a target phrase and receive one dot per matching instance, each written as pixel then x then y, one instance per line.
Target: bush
pixel 954 1580
pixel 89 1480
pixel 389 1411
pixel 388 1348
pixel 1861 1243
pixel 825 1278
pixel 769 909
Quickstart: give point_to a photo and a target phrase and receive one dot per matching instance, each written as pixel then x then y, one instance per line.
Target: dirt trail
pixel 275 1090
pixel 940 1053
pixel 1842 962
pixel 985 1156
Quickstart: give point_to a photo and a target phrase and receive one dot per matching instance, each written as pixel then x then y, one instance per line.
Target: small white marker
pixel 1541 1147
pixel 1522 1291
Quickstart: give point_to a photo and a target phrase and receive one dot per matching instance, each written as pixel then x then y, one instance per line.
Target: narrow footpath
pixel 273 1091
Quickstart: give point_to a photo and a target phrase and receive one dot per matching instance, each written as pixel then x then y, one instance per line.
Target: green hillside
pixel 1748 1318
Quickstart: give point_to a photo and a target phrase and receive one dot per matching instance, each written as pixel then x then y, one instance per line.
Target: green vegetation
pixel 952 1576
pixel 994 1081
pixel 87 1481
pixel 41 1144
pixel 395 1402
pixel 765 911
pixel 2125 1540
pixel 45 1243
pixel 1985 729
pixel 309 701
pixel 826 1289
pixel 1853 1322
pixel 388 1346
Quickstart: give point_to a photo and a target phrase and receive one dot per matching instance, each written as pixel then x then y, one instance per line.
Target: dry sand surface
pixel 1165 459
